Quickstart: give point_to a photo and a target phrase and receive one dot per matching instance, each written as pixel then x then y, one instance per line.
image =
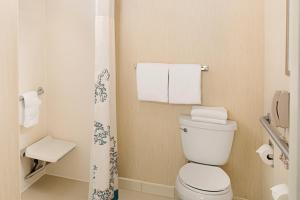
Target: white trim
pixel 147 187
pixel 130 184
pixel 66 177
pixel 152 188
pixel 28 183
pixel 239 198
pixel 294 48
pixel 135 185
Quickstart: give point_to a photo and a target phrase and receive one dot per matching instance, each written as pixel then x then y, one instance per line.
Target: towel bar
pixel 203 67
pixel 40 91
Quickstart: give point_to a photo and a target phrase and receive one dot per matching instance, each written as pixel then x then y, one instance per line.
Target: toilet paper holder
pixel 270 156
pixel 266 153
pixel 280 191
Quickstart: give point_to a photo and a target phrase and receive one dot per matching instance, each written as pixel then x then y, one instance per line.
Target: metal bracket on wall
pixel 37 166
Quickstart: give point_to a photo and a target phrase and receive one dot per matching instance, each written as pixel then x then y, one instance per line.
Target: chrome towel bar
pixel 203 67
pixel 40 91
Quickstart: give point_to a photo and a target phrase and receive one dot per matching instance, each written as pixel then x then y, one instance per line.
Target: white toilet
pixel 205 145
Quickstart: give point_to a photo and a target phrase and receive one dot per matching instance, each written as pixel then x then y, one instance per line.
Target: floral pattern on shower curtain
pixel 104 175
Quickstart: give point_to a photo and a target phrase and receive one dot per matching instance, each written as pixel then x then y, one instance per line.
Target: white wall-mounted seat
pixel 49 149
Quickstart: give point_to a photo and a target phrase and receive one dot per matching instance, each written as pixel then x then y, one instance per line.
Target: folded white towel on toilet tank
pixel 209 120
pixel 209 114
pixel 31 109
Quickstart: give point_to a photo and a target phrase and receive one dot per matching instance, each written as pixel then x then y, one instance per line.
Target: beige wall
pixel 31 69
pixel 274 79
pixel 9 159
pixel 31 60
pixel 228 36
pixel 56 51
pixel 70 75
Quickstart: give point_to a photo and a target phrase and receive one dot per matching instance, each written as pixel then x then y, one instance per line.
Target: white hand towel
pixel 209 120
pixel 209 112
pixel 31 109
pixel 185 84
pixel 152 82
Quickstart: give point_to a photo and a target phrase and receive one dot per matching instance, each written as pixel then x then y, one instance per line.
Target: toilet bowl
pixel 203 182
pixel 209 144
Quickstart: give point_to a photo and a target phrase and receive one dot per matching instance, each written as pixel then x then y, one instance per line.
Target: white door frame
pixel 294 63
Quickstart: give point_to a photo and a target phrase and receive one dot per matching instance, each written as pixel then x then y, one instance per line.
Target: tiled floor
pixel 54 188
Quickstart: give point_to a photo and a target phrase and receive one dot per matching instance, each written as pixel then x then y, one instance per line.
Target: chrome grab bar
pixel 275 135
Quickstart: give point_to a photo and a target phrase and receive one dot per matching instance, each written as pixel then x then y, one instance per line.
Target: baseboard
pixel 131 184
pixel 66 177
pixel 239 198
pixel 152 188
pixel 28 183
pixel 147 187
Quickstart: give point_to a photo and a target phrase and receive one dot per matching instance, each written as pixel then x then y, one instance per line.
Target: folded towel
pixel 31 109
pixel 185 84
pixel 209 112
pixel 152 82
pixel 209 120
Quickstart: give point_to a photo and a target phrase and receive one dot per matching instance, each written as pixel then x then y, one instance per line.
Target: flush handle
pixel 185 130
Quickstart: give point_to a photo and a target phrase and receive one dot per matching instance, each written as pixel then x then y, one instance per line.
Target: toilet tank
pixel 206 143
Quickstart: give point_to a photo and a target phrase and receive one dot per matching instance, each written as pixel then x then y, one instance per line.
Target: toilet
pixel 206 146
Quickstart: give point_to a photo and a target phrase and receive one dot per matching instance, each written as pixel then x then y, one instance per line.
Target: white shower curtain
pixel 104 175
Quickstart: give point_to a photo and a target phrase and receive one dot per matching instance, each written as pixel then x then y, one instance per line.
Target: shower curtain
pixel 104 175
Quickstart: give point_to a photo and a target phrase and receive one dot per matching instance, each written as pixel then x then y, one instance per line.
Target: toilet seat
pixel 202 182
pixel 199 191
pixel 204 178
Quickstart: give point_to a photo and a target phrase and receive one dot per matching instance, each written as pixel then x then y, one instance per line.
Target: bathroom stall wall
pixel 274 79
pixel 32 72
pixel 70 81
pixel 226 35
pixel 9 133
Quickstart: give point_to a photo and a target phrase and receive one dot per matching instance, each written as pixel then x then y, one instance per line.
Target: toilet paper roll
pixel 280 192
pixel 266 154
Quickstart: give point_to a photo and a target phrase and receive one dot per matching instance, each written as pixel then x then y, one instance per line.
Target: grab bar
pixel 275 135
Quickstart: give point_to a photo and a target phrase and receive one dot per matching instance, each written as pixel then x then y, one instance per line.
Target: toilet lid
pixel 203 177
